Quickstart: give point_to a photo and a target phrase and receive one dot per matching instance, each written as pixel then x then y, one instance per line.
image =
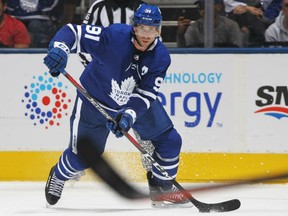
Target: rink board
pixel 230 107
pixel 194 167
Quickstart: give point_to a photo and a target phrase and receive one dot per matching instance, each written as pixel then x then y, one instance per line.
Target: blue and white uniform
pixel 119 76
pixel 127 68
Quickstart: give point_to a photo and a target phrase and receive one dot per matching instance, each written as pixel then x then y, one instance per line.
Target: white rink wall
pixel 212 100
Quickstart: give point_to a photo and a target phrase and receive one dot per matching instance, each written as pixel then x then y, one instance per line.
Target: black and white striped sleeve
pixel 97 14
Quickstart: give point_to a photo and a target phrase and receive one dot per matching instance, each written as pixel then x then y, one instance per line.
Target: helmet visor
pixel 146 31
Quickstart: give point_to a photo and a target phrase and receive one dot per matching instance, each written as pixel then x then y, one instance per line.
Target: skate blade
pixel 166 204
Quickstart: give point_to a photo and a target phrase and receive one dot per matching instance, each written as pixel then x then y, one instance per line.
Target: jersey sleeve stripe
pixel 75 34
pixel 147 93
pixel 79 32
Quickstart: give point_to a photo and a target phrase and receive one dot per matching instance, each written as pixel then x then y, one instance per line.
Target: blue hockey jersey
pixel 119 75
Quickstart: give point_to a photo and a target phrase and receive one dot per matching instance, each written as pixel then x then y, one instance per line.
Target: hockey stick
pixel 90 154
pixel 229 205
pixel 104 170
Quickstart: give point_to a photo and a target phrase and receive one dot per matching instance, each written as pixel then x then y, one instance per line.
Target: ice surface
pixel 90 198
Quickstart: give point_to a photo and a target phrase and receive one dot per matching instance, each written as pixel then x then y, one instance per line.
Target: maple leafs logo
pixel 29 5
pixel 120 94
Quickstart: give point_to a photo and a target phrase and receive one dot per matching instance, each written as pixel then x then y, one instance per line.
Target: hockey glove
pixel 123 121
pixel 56 59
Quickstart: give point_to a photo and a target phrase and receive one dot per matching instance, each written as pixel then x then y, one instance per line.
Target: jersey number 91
pixel 92 32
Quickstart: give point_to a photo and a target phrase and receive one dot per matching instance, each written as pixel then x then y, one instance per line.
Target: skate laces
pixel 55 186
pixel 177 197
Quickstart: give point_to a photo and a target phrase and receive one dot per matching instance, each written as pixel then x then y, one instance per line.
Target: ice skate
pixel 54 187
pixel 170 199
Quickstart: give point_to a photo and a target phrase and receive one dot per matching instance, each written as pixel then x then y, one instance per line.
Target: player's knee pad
pixel 175 141
pixel 168 144
pixel 69 165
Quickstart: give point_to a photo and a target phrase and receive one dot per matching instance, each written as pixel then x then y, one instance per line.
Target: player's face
pixel 146 35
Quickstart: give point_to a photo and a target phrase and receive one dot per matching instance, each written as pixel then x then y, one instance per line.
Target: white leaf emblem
pixel 29 5
pixel 121 94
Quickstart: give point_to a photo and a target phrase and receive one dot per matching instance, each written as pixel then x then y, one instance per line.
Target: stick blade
pixel 91 155
pixel 230 205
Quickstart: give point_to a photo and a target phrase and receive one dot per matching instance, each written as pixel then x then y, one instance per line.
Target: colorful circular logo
pixel 46 101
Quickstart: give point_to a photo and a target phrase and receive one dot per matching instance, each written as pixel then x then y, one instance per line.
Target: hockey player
pixel 128 67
